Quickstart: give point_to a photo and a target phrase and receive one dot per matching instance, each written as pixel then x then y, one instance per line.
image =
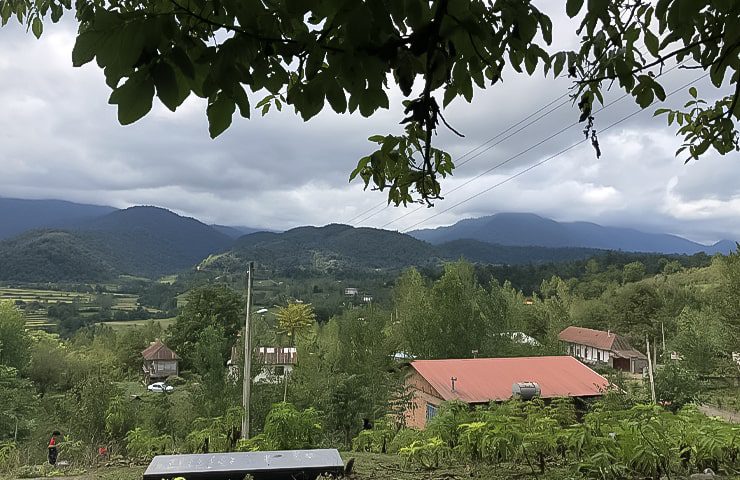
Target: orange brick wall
pixel 422 393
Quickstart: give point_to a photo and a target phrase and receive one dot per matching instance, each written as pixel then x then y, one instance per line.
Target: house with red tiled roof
pixel 606 348
pixel 159 362
pixel 478 381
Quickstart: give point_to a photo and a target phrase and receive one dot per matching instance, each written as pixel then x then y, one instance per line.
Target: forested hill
pixel 330 248
pixel 483 252
pixel 141 241
pixel 18 216
pixel 150 242
pixel 526 229
pixel 336 248
pixel 153 230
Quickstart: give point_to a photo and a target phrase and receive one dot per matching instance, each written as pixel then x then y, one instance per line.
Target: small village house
pixel 159 362
pixel 477 381
pixel 274 363
pixel 605 348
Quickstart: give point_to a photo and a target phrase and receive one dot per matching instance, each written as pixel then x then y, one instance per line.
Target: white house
pixel 275 362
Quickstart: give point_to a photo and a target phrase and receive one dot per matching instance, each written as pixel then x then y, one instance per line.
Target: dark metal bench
pixel 273 465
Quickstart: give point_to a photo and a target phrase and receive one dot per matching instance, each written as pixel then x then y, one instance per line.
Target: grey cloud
pixel 61 139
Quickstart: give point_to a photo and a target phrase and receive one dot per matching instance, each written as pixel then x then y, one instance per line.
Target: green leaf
pixel 134 98
pixel 85 48
pixel 693 92
pixel 37 27
pixel 182 61
pixel 559 63
pixel 652 43
pixel 242 101
pixel 219 115
pixel 168 90
pixel 572 7
pixel 335 96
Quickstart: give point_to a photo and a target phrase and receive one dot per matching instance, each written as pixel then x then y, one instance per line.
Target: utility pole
pixel 247 375
pixel 662 332
pixel 650 370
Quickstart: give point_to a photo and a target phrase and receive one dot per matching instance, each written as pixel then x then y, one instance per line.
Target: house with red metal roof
pixel 606 348
pixel 159 361
pixel 482 380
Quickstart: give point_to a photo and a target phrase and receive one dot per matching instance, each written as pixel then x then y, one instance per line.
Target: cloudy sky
pixel 59 138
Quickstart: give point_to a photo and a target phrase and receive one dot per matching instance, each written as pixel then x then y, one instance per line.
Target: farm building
pixel 275 363
pixel 599 347
pixel 159 362
pixel 482 380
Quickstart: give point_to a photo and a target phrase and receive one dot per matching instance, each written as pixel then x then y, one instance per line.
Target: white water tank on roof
pixel 525 390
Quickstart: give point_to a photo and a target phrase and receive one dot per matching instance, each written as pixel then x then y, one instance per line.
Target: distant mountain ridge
pixel 331 248
pixel 19 215
pixel 338 248
pixel 141 241
pixel 527 229
pixel 151 241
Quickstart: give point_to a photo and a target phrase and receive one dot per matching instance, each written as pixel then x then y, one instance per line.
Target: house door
pixel 622 364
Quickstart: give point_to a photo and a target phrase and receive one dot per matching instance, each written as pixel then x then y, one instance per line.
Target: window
pixel 431 411
pixel 279 370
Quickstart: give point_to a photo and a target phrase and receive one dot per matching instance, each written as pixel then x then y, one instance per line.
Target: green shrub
pixel 287 428
pixel 176 381
pixel 8 456
pixel 375 440
pixel 144 445
pixel 404 438
pixel 257 443
pixel 427 453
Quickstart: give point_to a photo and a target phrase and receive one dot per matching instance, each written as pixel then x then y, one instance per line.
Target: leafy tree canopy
pixel 350 53
pixel 14 341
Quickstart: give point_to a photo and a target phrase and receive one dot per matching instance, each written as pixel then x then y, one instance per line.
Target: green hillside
pixel 139 241
pixel 53 256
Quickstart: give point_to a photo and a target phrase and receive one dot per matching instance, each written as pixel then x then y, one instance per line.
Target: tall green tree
pixel 445 320
pixel 18 404
pixel 210 362
pixel 294 319
pixel 48 365
pixel 350 54
pixel 211 305
pixel 14 341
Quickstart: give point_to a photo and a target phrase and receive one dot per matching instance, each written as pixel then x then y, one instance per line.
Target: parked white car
pixel 160 387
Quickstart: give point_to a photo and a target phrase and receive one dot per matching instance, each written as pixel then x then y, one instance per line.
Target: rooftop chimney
pixel 453 380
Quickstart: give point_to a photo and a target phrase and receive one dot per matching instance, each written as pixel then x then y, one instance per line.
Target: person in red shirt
pixel 53 448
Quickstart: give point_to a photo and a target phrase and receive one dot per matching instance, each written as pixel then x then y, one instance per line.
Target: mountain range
pixel 527 229
pixel 51 240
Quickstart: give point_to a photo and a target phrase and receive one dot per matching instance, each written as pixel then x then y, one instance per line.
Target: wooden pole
pixel 662 332
pixel 650 371
pixel 247 375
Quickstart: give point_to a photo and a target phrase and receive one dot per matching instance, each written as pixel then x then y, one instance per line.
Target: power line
pixel 531 167
pixel 470 152
pixel 489 147
pixel 385 204
pixel 526 150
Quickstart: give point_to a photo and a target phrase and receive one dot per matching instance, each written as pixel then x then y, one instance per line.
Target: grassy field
pixel 369 466
pixel 35 303
pixel 163 322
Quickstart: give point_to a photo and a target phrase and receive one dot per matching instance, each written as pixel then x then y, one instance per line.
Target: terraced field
pixel 35 304
pixel 163 322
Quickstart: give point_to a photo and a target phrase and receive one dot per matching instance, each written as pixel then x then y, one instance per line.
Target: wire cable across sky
pixel 526 150
pixel 542 162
